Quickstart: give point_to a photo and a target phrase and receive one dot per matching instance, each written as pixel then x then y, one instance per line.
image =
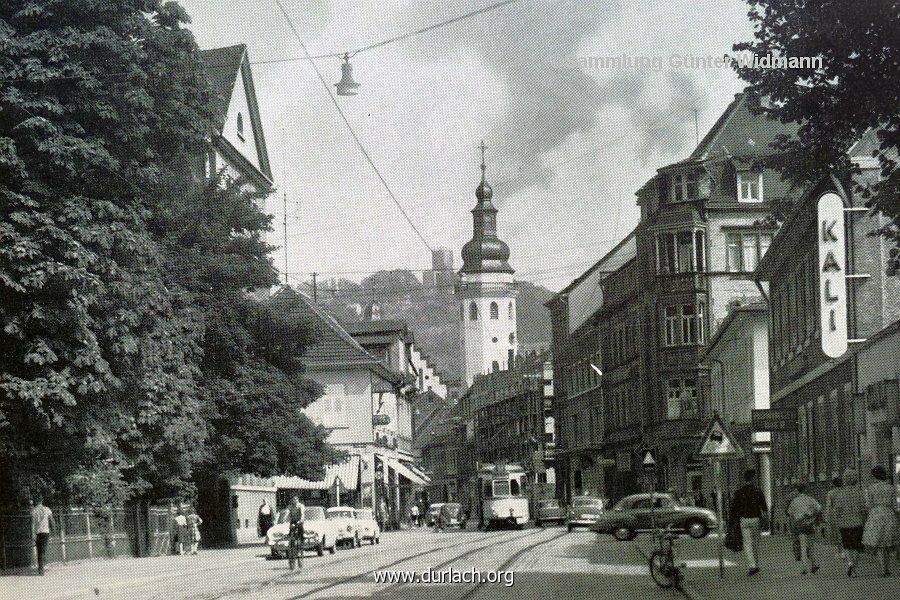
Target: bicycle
pixel 662 560
pixel 295 546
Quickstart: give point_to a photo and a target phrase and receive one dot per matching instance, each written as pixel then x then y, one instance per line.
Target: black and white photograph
pixel 449 299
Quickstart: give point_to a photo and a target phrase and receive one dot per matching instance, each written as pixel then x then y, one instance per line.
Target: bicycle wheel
pixel 662 569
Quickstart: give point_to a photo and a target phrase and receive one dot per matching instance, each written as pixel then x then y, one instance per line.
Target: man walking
pixel 43 523
pixel 296 514
pixel 749 507
pixel 414 513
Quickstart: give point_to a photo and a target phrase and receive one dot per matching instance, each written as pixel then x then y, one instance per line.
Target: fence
pixel 88 533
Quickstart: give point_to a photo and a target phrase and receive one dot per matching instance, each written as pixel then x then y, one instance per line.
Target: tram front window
pixel 501 488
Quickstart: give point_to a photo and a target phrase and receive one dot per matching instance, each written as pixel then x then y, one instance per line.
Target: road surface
pixel 542 563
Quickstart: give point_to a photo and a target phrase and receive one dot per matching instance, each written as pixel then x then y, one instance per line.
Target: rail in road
pixel 357 576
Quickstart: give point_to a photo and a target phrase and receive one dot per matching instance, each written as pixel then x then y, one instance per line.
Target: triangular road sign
pixel 648 461
pixel 718 442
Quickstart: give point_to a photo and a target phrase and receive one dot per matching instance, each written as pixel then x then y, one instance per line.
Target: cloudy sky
pixel 568 147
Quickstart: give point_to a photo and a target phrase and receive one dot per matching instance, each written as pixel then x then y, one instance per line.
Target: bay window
pixel 684 324
pixel 681 252
pixel 684 187
pixel 681 398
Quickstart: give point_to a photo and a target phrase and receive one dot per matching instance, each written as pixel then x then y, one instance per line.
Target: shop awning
pixel 414 476
pixel 348 471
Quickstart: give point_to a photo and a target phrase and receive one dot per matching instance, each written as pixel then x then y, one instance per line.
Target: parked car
pixel 432 514
pixel 451 515
pixel 344 519
pixel 583 512
pixel 632 515
pixel 549 511
pixel 319 533
pixel 367 526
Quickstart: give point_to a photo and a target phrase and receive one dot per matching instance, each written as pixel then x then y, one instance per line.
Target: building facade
pixel 486 292
pixel 705 224
pixel 827 394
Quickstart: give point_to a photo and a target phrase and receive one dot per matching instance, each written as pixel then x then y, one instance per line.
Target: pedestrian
pixel 43 523
pixel 700 499
pixel 265 519
pixel 181 530
pixel 414 514
pixel 748 507
pixel 836 484
pixel 881 532
pixel 805 512
pixel 296 516
pixel 847 514
pixel 193 529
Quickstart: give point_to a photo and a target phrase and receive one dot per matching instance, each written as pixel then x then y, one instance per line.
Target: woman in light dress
pixel 882 531
pixel 193 529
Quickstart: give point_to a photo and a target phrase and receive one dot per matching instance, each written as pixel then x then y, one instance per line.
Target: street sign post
pixel 719 444
pixel 774 419
pixel 648 463
pixel 337 490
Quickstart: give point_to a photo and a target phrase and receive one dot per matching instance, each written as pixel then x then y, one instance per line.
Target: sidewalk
pixel 780 575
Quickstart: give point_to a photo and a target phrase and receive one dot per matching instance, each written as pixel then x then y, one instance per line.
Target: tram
pixel 501 496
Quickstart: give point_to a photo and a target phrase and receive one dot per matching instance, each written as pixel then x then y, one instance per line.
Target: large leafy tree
pixel 251 377
pixel 94 348
pixel 857 89
pixel 123 279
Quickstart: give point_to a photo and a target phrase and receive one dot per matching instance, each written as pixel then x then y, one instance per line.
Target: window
pixel 745 249
pixel 512 339
pixel 684 187
pixel 681 398
pixel 749 186
pixel 473 312
pixel 688 325
pixel 240 126
pixel 681 252
pixel 701 323
pixel 512 314
pixel 671 325
pixel 495 311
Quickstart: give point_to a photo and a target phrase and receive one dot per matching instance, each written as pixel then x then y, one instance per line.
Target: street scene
pixel 449 300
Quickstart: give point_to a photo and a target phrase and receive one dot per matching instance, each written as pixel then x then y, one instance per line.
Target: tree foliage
pixel 123 279
pixel 857 89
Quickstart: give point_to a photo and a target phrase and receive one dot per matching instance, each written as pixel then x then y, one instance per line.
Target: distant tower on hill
pixel 487 295
pixel 441 274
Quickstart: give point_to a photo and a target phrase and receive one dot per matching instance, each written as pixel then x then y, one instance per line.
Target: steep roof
pixel 740 134
pixel 223 65
pixel 334 346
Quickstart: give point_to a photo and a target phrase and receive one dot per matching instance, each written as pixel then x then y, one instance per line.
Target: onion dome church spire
pixel 485 252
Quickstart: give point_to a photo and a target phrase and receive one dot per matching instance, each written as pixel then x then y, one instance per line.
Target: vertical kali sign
pixel 832 275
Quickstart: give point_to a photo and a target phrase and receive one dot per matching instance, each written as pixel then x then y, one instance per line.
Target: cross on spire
pixel 482 147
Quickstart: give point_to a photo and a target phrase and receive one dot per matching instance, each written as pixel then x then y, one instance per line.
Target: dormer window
pixel 240 126
pixel 749 186
pixel 684 187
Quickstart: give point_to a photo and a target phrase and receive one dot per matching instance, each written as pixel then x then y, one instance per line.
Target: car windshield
pixel 364 514
pixel 549 503
pixel 588 502
pixel 314 513
pixel 452 509
pixel 340 514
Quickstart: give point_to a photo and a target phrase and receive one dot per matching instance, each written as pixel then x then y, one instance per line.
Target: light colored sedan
pixel 344 519
pixel 319 533
pixel 367 526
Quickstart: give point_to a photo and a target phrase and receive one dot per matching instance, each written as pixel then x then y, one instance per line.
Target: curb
pixel 686 589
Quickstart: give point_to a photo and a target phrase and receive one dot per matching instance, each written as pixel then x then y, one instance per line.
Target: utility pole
pixel 285 241
pixel 315 294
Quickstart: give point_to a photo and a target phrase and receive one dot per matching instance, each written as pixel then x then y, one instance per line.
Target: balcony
pixel 682 282
pixel 678 429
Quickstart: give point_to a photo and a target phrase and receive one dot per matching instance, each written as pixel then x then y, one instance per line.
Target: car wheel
pixel 569 528
pixel 378 540
pixel 697 529
pixel 538 524
pixel 320 549
pixel 623 534
pixel 332 548
pixel 356 542
pixel 275 553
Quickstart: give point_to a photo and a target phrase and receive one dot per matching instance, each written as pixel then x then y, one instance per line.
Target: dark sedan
pixel 633 514
pixel 549 511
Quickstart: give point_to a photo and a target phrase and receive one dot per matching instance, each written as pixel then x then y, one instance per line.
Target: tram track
pixel 368 573
pixel 318 567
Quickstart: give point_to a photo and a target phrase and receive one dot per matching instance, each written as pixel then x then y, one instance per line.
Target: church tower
pixel 486 292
